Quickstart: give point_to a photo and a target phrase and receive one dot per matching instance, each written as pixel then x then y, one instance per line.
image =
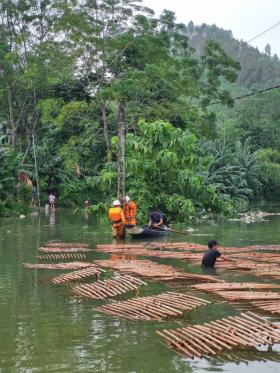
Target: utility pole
pixel 121 154
pixel 36 168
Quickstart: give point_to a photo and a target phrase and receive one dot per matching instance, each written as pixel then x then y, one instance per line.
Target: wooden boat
pixel 146 232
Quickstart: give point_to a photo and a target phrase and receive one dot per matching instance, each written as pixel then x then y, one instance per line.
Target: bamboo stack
pixel 247 295
pixel 64 250
pixel 273 272
pixel 118 246
pixel 108 288
pixel 175 245
pixel 62 256
pixel 67 245
pixel 154 307
pixel 260 257
pixel 147 268
pixel 69 265
pixel 272 306
pixel 77 275
pixel 212 338
pixel 110 249
pixel 212 287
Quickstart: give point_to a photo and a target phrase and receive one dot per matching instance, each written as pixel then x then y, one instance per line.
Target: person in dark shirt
pixel 211 255
pixel 156 218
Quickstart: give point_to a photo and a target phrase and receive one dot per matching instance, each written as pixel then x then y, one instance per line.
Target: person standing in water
pixel 52 201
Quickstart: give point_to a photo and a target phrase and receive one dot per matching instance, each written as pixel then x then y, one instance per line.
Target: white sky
pixel 245 18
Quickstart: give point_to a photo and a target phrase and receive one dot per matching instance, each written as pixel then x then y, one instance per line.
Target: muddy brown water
pixel 44 329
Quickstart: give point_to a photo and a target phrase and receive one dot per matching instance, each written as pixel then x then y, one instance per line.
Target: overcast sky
pixel 246 18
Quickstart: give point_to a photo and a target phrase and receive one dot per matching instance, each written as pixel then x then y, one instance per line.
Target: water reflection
pixel 52 218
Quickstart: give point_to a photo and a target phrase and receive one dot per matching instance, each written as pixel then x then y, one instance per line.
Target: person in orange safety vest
pixel 130 209
pixel 117 219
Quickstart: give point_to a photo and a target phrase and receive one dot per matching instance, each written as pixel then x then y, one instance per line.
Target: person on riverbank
pixel 117 219
pixel 130 210
pixel 156 218
pixel 52 201
pixel 211 255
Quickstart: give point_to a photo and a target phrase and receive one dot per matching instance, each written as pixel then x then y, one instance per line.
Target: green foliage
pixel 65 68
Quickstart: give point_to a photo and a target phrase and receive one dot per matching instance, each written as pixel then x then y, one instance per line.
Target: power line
pixel 265 31
pixel 235 98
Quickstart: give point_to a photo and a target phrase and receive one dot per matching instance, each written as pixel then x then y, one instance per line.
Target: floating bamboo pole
pixel 246 330
pixel 108 288
pixel 211 287
pixel 77 275
pixel 64 250
pixel 70 265
pixel 246 295
pixel 60 256
pixel 67 245
pixel 272 306
pixel 154 307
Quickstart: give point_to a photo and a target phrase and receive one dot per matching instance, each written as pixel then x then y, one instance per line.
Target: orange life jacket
pixel 116 215
pixel 130 210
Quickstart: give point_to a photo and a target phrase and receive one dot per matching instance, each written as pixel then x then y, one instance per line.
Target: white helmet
pixel 127 199
pixel 116 203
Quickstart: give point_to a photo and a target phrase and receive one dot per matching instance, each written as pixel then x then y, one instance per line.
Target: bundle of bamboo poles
pixel 272 306
pixel 175 245
pixel 211 287
pixel 154 307
pixel 246 295
pixel 146 252
pixel 147 268
pixel 69 265
pixel 64 250
pixel 67 245
pixel 120 250
pixel 61 256
pixel 212 338
pixel 108 288
pixel 77 275
pixel 271 272
pixel 117 246
pixel 260 257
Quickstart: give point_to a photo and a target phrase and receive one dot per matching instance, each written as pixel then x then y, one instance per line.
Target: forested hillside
pixel 75 75
pixel 257 69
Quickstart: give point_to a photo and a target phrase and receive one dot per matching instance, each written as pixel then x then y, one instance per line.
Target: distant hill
pixel 257 69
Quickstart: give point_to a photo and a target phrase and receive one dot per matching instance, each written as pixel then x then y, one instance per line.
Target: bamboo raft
pixel 67 245
pixel 108 248
pixel 154 307
pixel 108 288
pixel 212 338
pixel 272 306
pixel 268 272
pixel 64 250
pixel 69 265
pixel 247 295
pixel 61 256
pixel 213 287
pixel 175 245
pixel 149 269
pixel 77 275
pixel 260 257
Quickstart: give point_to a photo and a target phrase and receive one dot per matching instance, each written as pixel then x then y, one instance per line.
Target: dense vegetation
pixel 74 74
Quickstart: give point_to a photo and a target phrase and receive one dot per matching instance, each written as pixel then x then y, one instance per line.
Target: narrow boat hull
pixel 146 232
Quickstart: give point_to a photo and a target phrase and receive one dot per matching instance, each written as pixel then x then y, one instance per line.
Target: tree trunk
pixel 11 116
pixel 106 134
pixel 121 154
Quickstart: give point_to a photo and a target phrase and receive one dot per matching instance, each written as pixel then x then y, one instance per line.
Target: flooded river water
pixel 44 329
